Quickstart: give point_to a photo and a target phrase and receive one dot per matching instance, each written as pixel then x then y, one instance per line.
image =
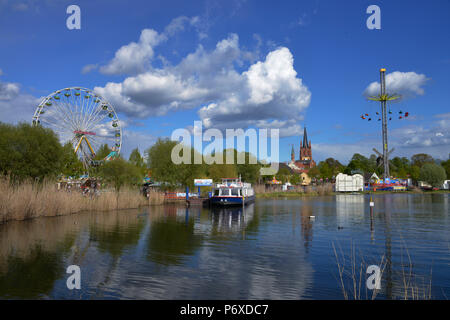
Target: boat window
pixel 216 192
pixel 225 192
pixel 235 192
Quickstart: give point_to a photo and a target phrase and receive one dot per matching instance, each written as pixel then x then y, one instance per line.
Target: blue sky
pixel 239 64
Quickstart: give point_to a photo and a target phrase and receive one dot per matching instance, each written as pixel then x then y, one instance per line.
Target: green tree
pixel 249 172
pixel 359 163
pixel 119 172
pixel 29 151
pixel 283 175
pixel 295 179
pixel 420 159
pixel 138 161
pixel 314 172
pixel 71 164
pixel 446 166
pixel 166 171
pixel 102 152
pixel 433 174
pixel 414 173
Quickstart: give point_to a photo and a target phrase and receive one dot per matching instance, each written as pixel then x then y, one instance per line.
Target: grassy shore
pixel 328 190
pixel 29 200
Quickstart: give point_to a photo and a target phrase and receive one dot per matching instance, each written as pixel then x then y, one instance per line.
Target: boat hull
pixel 230 201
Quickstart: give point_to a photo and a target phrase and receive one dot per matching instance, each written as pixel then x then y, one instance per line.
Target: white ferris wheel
pixel 82 117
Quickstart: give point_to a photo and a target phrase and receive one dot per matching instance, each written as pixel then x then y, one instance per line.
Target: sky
pixel 239 64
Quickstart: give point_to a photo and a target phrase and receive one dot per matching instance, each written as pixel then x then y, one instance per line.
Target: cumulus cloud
pixel 268 94
pixel 136 57
pixel 407 141
pixel 405 83
pixel 8 90
pixel 16 106
pixel 88 68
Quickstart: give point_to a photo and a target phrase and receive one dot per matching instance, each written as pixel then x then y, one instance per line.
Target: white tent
pixel 346 183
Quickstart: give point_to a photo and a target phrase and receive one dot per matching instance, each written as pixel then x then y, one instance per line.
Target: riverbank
pixel 30 200
pixel 310 193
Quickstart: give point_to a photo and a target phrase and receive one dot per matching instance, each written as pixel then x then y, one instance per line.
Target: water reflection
pixel 32 255
pixel 172 236
pixel 272 249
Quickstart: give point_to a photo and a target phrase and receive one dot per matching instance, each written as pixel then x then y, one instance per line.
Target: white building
pixel 346 183
pixel 446 185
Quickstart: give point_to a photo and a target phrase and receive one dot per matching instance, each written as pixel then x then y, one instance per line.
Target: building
pixel 346 183
pixel 306 161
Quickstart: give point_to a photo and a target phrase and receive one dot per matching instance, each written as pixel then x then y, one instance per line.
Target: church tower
pixel 305 148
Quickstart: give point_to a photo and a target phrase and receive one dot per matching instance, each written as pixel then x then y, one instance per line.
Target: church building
pixel 306 161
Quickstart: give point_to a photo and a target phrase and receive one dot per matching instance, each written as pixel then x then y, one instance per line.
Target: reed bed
pixel 405 284
pixel 30 200
pixel 318 190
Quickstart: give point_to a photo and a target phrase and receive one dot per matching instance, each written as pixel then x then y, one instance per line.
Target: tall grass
pixel 319 190
pixel 30 200
pixel 406 284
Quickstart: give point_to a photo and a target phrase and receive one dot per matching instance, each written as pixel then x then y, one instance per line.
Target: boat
pixel 232 191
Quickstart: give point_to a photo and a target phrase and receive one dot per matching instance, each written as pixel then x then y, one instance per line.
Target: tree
pixel 29 151
pixel 433 174
pixel 283 175
pixel 420 159
pixel 359 163
pixel 295 179
pixel 414 173
pixel 166 171
pixel 249 172
pixel 137 160
pixel 71 164
pixel 446 166
pixel 314 172
pixel 102 152
pixel 119 173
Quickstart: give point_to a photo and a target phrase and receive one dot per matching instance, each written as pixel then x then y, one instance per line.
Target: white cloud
pixel 407 141
pixel 404 83
pixel 268 94
pixel 16 106
pixel 8 90
pixel 136 57
pixel 88 68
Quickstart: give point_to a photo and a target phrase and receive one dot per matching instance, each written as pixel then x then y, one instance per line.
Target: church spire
pixel 305 139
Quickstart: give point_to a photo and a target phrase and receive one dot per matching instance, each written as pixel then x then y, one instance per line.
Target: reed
pixel 30 200
pixel 325 189
pixel 405 284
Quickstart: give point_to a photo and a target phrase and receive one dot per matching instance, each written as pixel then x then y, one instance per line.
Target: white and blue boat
pixel 232 191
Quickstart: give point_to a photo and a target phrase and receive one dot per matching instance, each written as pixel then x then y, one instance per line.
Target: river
pixel 282 248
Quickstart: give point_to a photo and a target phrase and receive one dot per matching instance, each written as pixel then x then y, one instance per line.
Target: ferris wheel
pixel 83 118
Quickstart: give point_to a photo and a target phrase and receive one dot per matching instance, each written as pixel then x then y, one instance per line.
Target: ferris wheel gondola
pixel 83 118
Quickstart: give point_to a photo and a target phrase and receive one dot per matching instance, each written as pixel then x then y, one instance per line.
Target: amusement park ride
pixel 383 97
pixel 85 119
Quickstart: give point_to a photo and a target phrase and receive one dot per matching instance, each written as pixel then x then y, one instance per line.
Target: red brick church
pixel 306 162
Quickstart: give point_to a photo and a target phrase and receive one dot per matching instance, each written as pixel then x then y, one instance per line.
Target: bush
pixel 433 174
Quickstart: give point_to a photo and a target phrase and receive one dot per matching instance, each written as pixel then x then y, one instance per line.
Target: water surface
pixel 273 249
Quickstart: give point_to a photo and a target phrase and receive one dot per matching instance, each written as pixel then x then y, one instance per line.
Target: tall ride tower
pixel 383 98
